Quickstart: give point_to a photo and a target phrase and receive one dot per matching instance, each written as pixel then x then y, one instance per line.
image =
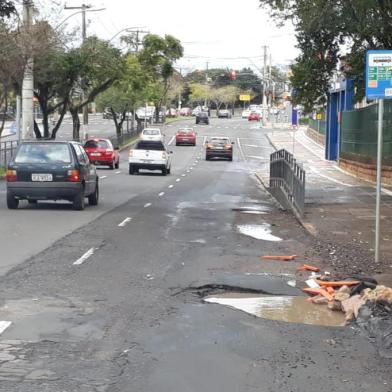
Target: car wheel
pixel 111 166
pixel 207 158
pixel 164 171
pixel 177 144
pixel 168 170
pixel 230 158
pixel 78 201
pixel 131 171
pixel 93 198
pixel 12 202
pixel 32 201
pixel 117 165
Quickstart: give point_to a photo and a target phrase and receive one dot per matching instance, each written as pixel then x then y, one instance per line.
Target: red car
pixel 185 112
pixel 186 136
pixel 101 152
pixel 254 116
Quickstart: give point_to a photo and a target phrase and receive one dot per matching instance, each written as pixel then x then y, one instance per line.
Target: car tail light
pixel 73 175
pixel 11 175
pixel 228 146
pixel 210 146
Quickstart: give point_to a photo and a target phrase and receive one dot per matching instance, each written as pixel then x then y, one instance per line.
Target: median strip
pixel 124 222
pixel 81 260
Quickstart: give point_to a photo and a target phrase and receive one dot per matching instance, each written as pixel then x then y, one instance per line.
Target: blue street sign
pixel 379 74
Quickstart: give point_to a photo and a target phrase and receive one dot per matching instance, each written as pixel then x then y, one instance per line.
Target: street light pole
pixel 28 79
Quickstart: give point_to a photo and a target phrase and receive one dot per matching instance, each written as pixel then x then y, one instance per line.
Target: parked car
pixel 219 147
pixel 224 113
pixel 101 152
pixel 245 113
pixel 254 116
pixel 186 136
pixel 48 170
pixel 202 117
pixel 185 112
pixel 152 134
pixel 150 155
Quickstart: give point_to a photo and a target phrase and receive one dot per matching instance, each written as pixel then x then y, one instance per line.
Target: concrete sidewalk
pixel 339 208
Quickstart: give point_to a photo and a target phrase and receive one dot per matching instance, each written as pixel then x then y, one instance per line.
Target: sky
pixel 224 33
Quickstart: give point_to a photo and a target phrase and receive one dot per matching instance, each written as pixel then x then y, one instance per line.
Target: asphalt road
pixel 108 299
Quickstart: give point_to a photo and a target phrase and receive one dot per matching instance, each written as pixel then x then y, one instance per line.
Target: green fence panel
pixel 358 135
pixel 317 125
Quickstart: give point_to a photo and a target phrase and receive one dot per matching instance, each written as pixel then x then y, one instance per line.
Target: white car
pixel 245 113
pixel 152 134
pixel 149 155
pixel 145 113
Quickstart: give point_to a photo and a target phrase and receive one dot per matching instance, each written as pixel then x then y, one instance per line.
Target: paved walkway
pixel 338 206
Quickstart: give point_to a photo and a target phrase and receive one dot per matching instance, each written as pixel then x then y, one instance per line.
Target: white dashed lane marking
pixel 147 205
pixel 118 172
pixel 170 186
pixel 124 222
pixel 161 194
pixel 102 177
pixel 178 180
pixel 4 325
pixel 81 260
pixel 171 141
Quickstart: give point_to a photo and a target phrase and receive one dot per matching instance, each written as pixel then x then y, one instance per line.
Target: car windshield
pixel 185 131
pixel 202 114
pixel 96 144
pixel 148 145
pixel 220 141
pixel 151 132
pixel 43 153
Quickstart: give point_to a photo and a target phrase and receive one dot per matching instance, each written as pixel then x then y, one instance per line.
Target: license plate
pixel 95 154
pixel 218 148
pixel 42 177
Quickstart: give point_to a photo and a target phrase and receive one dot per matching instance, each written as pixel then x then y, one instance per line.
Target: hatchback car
pixel 101 152
pixel 254 116
pixel 219 147
pixel 48 170
pixel 202 117
pixel 153 134
pixel 186 136
pixel 224 113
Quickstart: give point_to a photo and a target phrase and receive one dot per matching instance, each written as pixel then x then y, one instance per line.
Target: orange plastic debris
pixel 306 267
pixel 337 284
pixel 282 258
pixel 322 292
pixel 331 290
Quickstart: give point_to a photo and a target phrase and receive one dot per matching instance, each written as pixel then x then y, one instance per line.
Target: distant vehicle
pixel 152 134
pixel 202 117
pixel 224 113
pixel 254 116
pixel 219 147
pixel 150 155
pixel 185 112
pixel 255 108
pixel 245 113
pixel 145 113
pixel 101 152
pixel 47 170
pixel 186 136
pixel 171 112
pixel 199 109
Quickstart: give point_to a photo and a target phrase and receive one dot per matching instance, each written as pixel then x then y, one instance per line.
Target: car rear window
pixel 149 145
pixel 151 132
pixel 43 153
pixel 220 141
pixel 203 114
pixel 96 144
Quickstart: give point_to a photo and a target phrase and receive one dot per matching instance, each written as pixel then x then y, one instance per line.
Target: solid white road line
pixel 4 325
pixel 147 205
pixel 124 222
pixel 240 148
pixel 102 177
pixel 161 194
pixel 170 186
pixel 171 141
pixel 88 254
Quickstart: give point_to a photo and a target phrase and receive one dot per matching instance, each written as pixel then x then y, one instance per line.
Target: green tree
pixel 7 8
pixel 200 93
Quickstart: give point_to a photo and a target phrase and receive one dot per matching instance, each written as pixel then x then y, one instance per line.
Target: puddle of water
pixel 287 309
pixel 260 232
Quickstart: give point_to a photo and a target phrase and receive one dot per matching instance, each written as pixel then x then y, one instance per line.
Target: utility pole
pixel 264 102
pixel 28 79
pixel 205 99
pixel 83 8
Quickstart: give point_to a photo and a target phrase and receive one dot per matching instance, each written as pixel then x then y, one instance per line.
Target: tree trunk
pixel 75 124
pixel 57 126
pixel 36 130
pixel 5 101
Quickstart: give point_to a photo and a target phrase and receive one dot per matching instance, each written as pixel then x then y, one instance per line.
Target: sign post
pixel 379 86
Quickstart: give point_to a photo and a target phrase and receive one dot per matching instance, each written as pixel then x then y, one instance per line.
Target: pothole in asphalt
pixel 260 232
pixel 291 309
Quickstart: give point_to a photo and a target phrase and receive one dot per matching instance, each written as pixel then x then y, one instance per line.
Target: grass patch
pixel 2 172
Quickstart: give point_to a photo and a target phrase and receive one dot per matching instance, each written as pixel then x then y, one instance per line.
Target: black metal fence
pixel 7 149
pixel 289 177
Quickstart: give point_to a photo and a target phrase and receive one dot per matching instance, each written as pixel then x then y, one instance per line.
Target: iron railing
pixel 289 176
pixel 7 149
